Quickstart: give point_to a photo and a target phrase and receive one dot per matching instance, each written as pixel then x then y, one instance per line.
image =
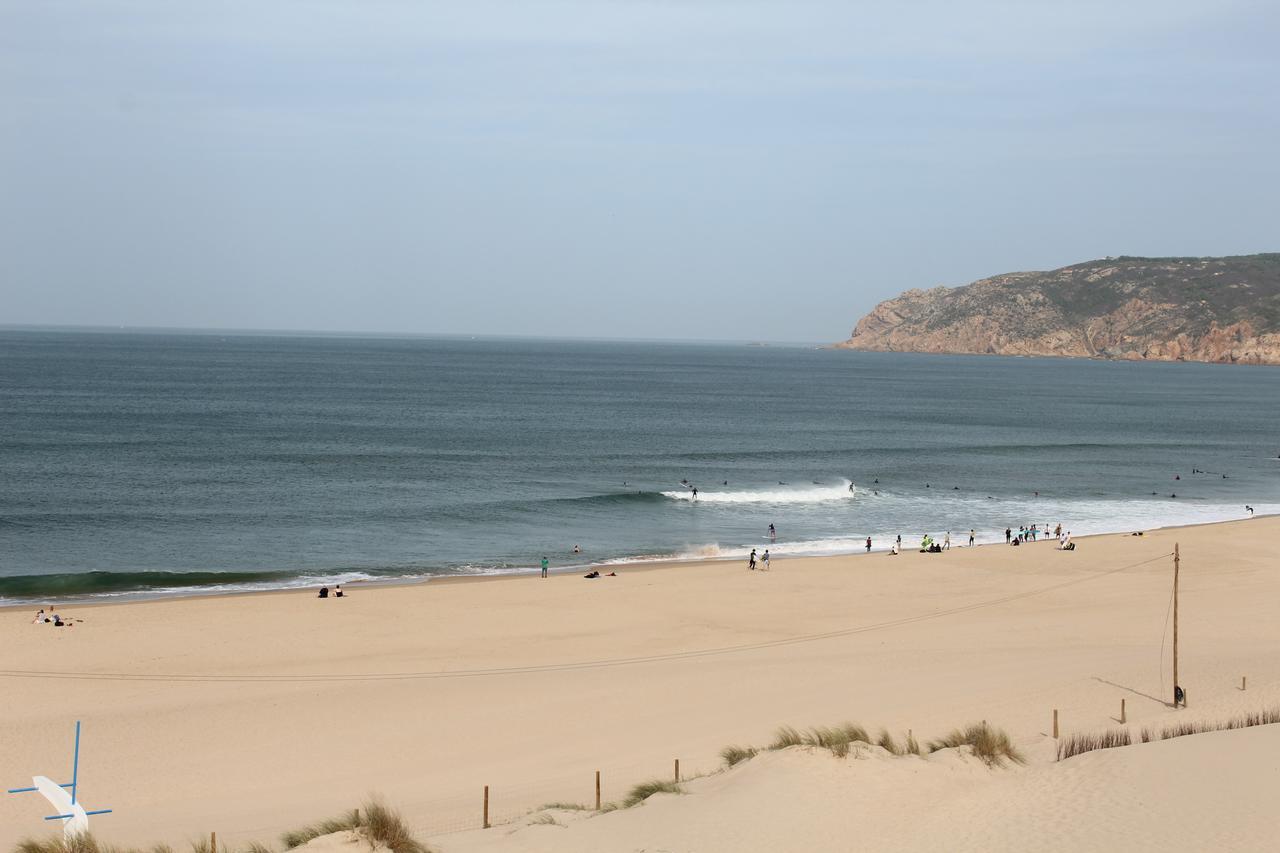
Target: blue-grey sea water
pixel 144 462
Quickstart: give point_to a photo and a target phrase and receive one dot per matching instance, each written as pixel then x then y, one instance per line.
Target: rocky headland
pixel 1158 309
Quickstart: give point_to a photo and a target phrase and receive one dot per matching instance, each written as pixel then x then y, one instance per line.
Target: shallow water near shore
pixel 141 463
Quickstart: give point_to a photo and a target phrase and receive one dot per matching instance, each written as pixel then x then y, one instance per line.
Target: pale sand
pixel 997 633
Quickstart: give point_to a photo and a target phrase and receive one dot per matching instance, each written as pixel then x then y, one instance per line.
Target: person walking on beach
pixel 868 544
pixel 544 567
pixel 751 561
pixel 1008 534
pixel 971 538
pixel 946 541
pixel 765 559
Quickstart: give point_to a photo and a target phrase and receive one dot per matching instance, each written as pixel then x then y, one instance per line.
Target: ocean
pixel 162 463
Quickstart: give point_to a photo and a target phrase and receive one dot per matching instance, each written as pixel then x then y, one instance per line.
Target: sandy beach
pixel 249 715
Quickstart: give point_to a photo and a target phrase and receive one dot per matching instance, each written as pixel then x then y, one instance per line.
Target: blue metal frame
pixel 73 784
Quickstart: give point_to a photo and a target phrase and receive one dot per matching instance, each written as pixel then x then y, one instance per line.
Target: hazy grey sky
pixel 611 168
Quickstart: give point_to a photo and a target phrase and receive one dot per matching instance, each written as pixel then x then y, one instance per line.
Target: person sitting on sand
pixel 39 617
pixel 894 550
pixel 337 591
pixel 57 621
pixel 592 574
pixel 324 592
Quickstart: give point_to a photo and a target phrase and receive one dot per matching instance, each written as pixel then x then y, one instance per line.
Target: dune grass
pixel 545 820
pixel 377 823
pixel 991 745
pixel 1264 717
pixel 785 737
pixel 886 742
pixel 837 739
pixel 1080 743
pixel 639 793
pixel 912 746
pixel 566 807
pixel 732 755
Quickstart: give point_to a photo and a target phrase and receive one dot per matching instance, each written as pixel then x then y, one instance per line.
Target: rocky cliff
pixel 1163 309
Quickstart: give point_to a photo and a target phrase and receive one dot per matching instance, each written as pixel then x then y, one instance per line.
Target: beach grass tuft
pixel 1080 743
pixel 564 807
pixel 886 742
pixel 298 837
pixel 991 745
pixel 545 820
pixel 639 793
pixel 379 825
pixel 837 739
pixel 83 843
pixel 732 755
pixel 785 737
pixel 912 745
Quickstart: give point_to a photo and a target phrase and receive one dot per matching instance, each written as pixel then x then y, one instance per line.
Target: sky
pixel 751 170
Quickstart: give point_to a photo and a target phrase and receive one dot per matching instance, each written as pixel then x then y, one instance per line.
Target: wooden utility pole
pixel 1176 561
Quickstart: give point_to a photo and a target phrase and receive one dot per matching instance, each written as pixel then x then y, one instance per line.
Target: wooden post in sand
pixel 677 770
pixel 597 790
pixel 1243 680
pixel 1122 712
pixel 1176 561
pixel 1055 723
pixel 486 806
pixel 213 842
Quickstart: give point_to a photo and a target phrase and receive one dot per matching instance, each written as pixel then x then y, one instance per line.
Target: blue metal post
pixel 75 765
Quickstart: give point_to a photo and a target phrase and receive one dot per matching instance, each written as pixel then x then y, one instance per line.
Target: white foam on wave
pixel 782 494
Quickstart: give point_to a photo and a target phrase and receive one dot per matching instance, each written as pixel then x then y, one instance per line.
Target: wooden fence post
pixel 597 790
pixel 213 842
pixel 1122 718
pixel 486 806
pixel 677 770
pixel 1055 723
pixel 1243 680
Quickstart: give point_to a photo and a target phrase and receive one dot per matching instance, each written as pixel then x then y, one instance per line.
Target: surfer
pixel 695 492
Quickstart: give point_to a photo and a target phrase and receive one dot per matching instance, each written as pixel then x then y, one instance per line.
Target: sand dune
pixel 1207 792
pixel 250 715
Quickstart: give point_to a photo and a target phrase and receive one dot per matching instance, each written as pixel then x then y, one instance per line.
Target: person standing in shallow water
pixel 868 544
pixel 970 538
pixel 544 567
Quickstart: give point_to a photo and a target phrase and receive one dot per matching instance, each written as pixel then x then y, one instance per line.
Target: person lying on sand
pixel 592 574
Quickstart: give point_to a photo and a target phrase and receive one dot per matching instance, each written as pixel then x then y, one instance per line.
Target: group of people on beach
pixel 51 618
pixel 1032 533
pixel 337 591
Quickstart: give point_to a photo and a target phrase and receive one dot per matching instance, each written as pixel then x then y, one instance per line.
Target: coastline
pixel 632 564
